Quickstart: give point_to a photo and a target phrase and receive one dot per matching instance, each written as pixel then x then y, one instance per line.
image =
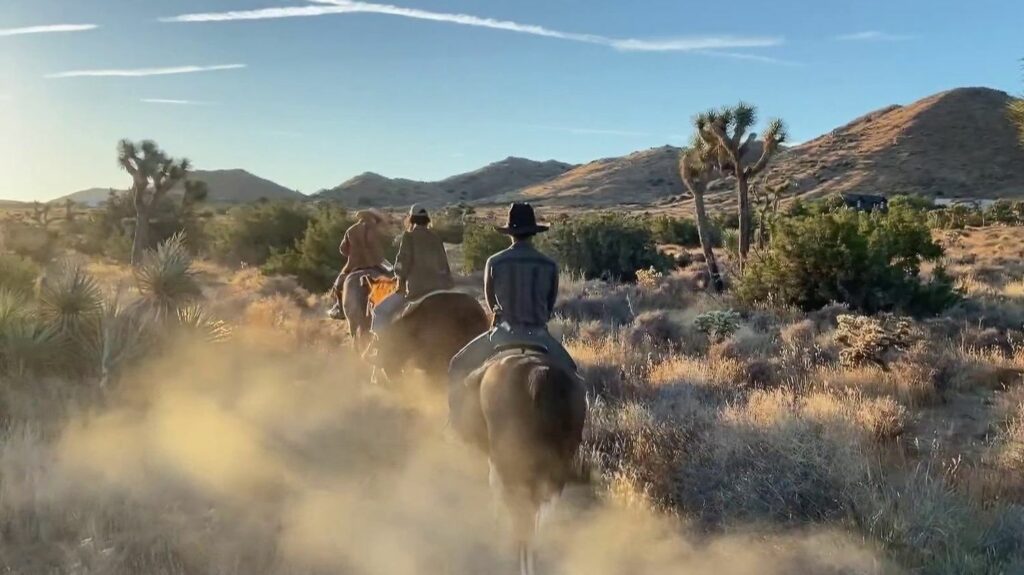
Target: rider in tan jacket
pixel 363 248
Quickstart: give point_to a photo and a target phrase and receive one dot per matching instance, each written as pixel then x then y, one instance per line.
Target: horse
pixel 430 331
pixel 529 422
pixel 354 299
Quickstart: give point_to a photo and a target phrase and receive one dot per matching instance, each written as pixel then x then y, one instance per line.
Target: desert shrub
pixel 872 339
pixel 610 246
pixel 771 459
pixel 253 232
pixel 449 225
pixel 649 278
pixel 314 260
pixel 108 231
pixel 869 261
pixel 17 274
pixel 718 324
pixel 27 344
pixel 678 231
pixel 34 242
pixel 479 243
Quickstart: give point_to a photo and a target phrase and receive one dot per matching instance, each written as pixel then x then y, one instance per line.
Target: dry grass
pixel 757 453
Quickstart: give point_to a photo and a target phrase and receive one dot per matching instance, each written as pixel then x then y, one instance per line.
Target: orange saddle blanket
pixel 381 288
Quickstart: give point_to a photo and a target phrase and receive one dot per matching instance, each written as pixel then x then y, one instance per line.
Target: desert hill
pixel 953 144
pixel 641 178
pixel 225 186
pixel 510 174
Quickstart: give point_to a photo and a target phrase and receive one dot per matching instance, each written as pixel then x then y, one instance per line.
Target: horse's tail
pixel 560 404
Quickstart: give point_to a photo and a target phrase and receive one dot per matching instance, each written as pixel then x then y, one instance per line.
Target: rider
pixel 521 286
pixel 422 263
pixel 363 248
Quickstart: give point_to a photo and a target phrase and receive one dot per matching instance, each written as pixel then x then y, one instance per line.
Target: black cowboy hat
pixel 521 221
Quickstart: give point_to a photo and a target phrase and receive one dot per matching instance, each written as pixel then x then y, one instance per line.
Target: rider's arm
pixel 553 296
pixel 492 302
pixel 345 246
pixel 403 260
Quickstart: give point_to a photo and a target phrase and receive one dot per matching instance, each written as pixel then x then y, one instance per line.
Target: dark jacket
pixel 522 285
pixel 363 246
pixel 422 264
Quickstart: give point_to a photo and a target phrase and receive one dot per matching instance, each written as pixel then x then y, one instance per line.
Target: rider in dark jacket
pixel 521 286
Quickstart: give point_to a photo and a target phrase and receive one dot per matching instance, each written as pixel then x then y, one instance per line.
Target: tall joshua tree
pixel 153 174
pixel 697 169
pixel 728 133
pixel 196 191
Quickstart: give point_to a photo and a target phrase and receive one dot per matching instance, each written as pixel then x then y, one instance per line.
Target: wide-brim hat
pixel 371 214
pixel 522 221
pixel 418 210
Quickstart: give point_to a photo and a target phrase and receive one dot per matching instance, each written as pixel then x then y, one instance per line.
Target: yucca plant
pixel 165 278
pixel 26 344
pixel 196 322
pixel 124 334
pixel 70 300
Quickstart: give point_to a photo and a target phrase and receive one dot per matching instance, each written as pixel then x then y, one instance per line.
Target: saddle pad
pixel 381 288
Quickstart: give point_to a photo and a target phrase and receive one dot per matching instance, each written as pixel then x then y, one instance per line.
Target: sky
pixel 309 93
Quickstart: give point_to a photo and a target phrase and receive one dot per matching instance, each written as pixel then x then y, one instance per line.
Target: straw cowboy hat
pixel 371 214
pixel 522 221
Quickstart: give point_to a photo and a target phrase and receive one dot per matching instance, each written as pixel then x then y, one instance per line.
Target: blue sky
pixel 428 88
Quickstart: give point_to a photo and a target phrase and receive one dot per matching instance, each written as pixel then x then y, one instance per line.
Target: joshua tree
pixel 726 131
pixel 195 191
pixel 69 209
pixel 768 196
pixel 41 213
pixel 153 174
pixel 697 168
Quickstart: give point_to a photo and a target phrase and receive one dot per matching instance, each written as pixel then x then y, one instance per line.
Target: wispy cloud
pixel 872 36
pixel 175 102
pixel 140 72
pixel 750 57
pixel 325 7
pixel 48 29
pixel 589 131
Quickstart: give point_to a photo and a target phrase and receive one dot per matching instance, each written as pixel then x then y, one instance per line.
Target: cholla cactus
pixel 872 339
pixel 718 324
pixel 649 278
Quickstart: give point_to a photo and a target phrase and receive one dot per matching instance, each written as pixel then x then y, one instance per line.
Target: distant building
pixel 866 202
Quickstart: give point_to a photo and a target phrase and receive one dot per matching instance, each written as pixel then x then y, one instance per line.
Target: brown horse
pixel 531 430
pixel 430 332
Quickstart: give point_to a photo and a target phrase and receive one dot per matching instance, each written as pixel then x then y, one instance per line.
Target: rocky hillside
pixel 641 178
pixel 954 144
pixel 372 189
pixel 225 186
pixel 240 186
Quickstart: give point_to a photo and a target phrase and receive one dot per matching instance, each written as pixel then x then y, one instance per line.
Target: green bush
pixel 17 274
pixel 479 243
pixel 678 231
pixel 108 231
pixel 607 246
pixel 869 261
pixel 250 234
pixel 314 260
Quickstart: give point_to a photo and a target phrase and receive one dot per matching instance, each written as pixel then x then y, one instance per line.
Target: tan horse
pixel 531 429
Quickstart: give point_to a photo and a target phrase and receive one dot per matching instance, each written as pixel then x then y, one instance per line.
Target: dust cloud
pixel 239 461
